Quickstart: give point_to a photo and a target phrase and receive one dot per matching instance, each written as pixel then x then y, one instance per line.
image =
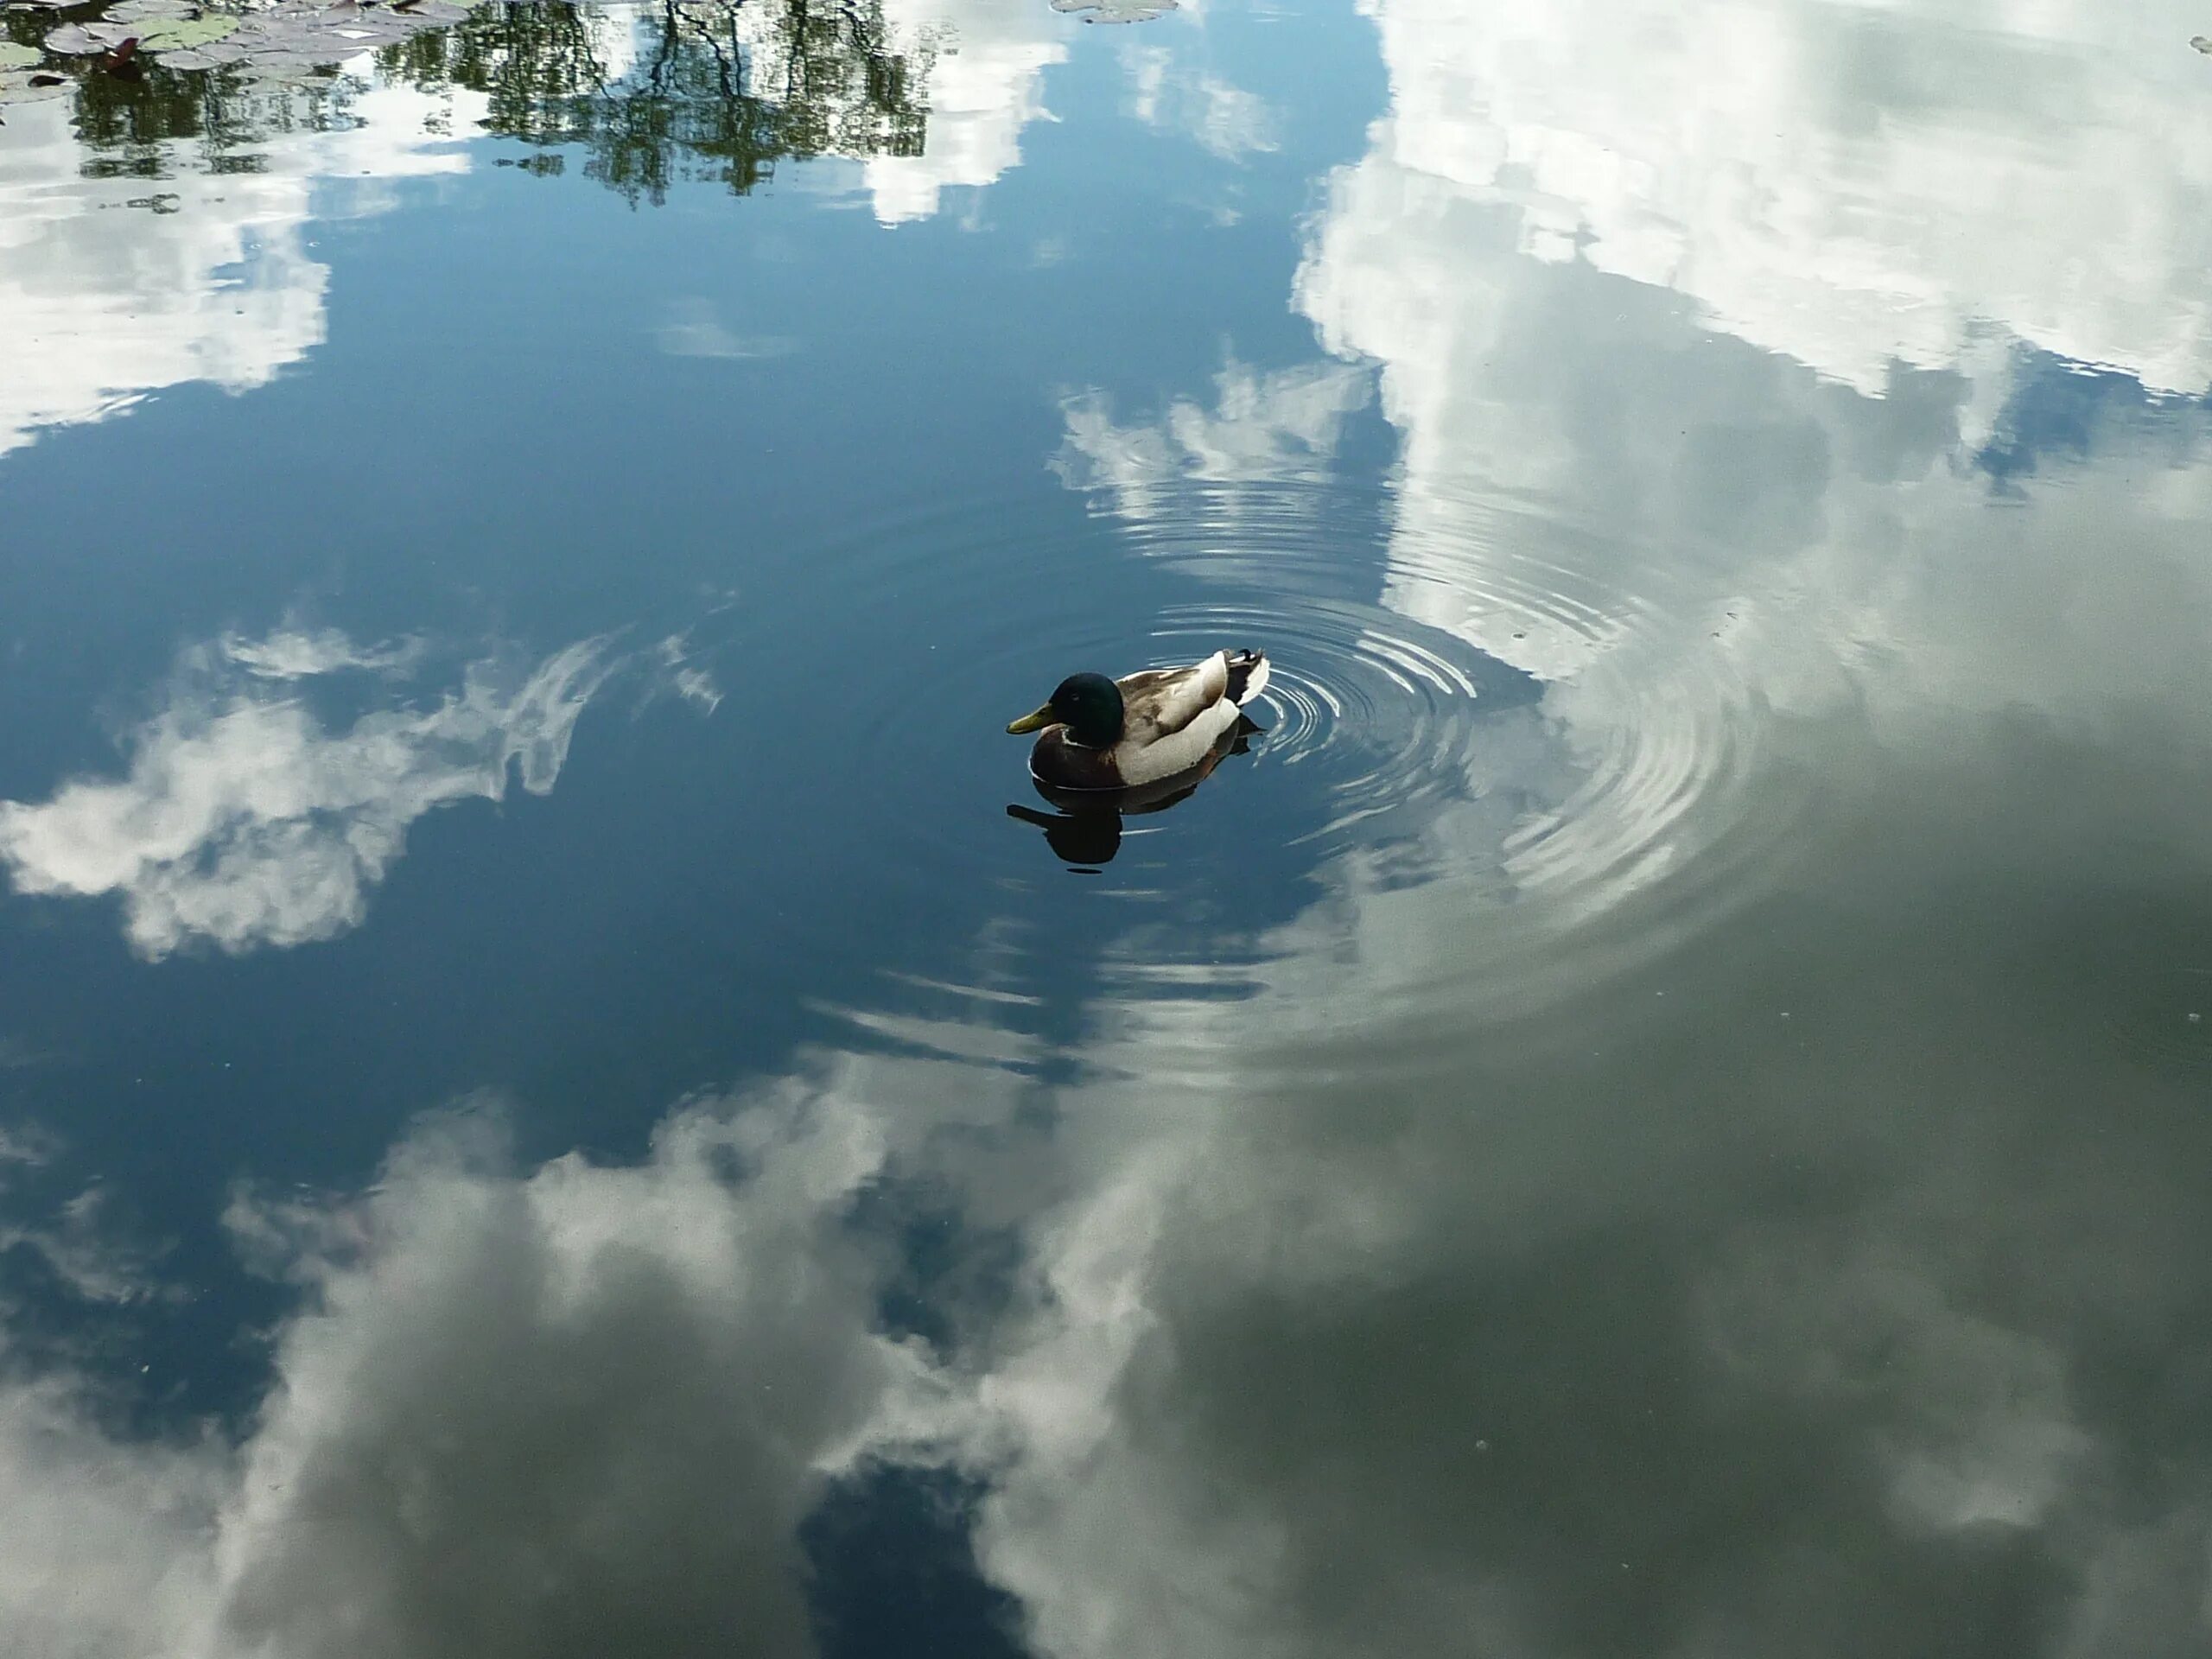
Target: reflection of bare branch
pixel 671 31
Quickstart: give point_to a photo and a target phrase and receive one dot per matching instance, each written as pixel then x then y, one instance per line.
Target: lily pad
pixel 183 34
pixel 13 56
pixel 135 11
pixel 1116 12
pixel 87 40
pixel 29 87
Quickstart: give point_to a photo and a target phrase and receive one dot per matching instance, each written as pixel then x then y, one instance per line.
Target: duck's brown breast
pixel 1058 760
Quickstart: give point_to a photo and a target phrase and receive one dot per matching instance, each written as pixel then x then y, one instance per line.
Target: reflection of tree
pixel 713 89
pixel 130 122
pixel 722 90
pixel 131 117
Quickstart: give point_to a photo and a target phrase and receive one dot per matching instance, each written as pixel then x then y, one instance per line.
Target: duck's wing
pixel 1161 701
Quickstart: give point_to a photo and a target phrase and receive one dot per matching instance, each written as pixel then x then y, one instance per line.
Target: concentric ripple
pixel 1542 740
pixel 1501 652
pixel 1385 727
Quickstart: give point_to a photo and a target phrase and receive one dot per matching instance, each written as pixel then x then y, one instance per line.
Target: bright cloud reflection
pixel 985 86
pixel 1848 184
pixel 1697 325
pixel 245 820
pixel 1705 328
pixel 674 1358
pixel 114 288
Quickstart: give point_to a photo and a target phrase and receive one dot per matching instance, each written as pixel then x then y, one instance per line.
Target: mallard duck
pixel 1086 831
pixel 1097 733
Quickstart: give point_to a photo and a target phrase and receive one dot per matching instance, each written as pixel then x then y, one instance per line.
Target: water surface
pixel 560 1091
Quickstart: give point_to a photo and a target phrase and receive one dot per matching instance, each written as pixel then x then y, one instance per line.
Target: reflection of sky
pixel 985 86
pixel 1698 324
pixel 508 1310
pixel 111 288
pixel 1791 1293
pixel 103 300
pixel 1845 184
pixel 1586 310
pixel 1764 535
pixel 243 822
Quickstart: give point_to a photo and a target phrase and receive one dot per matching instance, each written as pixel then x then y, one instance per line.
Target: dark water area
pixel 561 1091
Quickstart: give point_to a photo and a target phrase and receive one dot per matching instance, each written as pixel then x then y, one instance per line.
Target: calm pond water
pixel 560 1093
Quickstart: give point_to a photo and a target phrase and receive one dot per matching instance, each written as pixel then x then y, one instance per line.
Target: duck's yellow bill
pixel 1033 722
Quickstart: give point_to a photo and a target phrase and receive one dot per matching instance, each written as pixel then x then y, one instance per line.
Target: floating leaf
pixel 87 40
pixel 17 86
pixel 184 34
pixel 1116 12
pixel 13 56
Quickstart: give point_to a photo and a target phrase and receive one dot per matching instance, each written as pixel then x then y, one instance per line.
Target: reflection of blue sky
pixel 1732 519
pixel 258 790
pixel 104 300
pixel 2058 412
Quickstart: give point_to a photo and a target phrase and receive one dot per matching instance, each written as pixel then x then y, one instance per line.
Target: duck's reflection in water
pixel 1085 827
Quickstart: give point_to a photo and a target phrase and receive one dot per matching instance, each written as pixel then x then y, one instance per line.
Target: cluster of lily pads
pixel 1116 12
pixel 282 38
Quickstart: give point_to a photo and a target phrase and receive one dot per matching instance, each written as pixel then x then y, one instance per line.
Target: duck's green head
pixel 1088 705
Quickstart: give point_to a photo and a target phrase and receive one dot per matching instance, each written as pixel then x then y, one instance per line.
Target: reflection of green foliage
pixel 126 120
pixel 702 100
pixel 719 89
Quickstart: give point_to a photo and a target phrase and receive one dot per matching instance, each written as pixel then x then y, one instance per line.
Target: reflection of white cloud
pixel 101 303
pixel 693 330
pixel 100 1550
pixel 1229 121
pixel 614 31
pixel 1263 427
pixel 575 1411
pixel 301 654
pixel 1671 528
pixel 1224 118
pixel 1422 1369
pixel 243 822
pixel 985 85
pixel 1846 183
pixel 88 1247
pixel 1975 1429
pixel 1319 1368
pixel 685 676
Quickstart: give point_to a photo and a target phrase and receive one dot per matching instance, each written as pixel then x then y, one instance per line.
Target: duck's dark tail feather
pixel 1248 676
